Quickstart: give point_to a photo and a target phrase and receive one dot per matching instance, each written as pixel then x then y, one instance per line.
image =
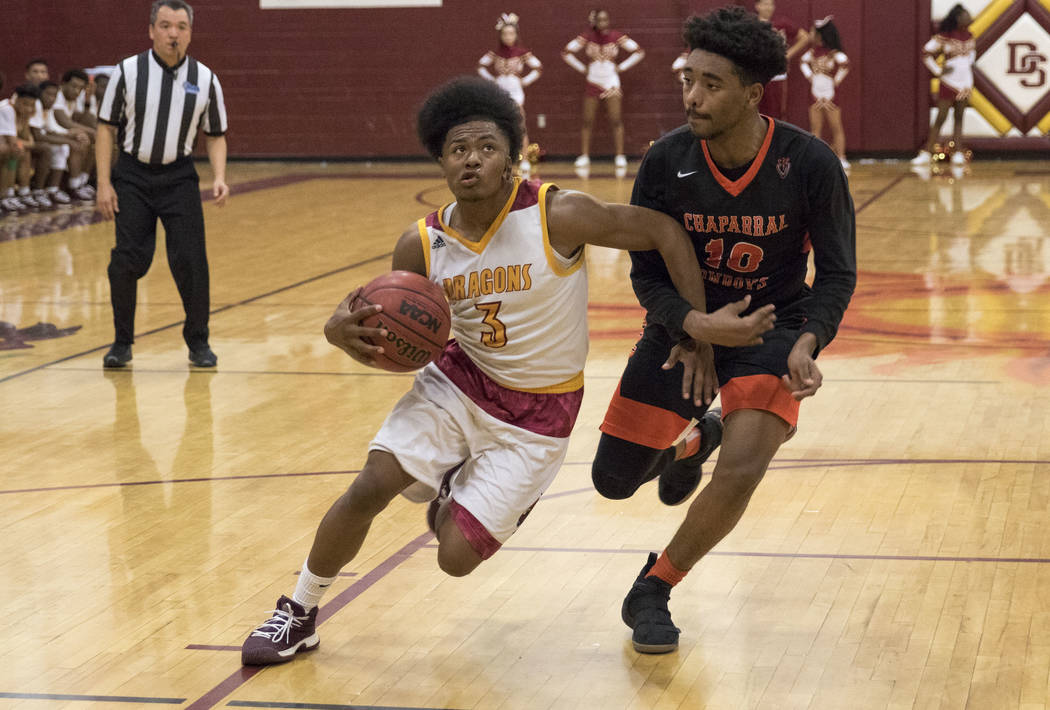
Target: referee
pixel 153 107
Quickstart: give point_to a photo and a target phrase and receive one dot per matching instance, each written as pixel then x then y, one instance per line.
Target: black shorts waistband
pixel 128 161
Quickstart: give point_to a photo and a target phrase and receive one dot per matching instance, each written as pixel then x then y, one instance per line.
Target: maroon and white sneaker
pixel 289 631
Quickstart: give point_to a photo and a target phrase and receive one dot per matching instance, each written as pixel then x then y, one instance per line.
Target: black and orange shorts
pixel 648 409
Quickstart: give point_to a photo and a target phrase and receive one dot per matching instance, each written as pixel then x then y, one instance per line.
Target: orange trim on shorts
pixel 642 423
pixel 764 392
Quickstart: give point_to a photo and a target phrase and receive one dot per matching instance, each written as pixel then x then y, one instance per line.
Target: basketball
pixel 415 315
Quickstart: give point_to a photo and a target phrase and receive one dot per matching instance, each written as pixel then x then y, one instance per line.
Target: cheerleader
pixel 507 66
pixel 954 42
pixel 602 47
pixel 825 65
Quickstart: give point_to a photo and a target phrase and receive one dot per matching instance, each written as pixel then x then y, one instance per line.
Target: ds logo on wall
pixel 1012 74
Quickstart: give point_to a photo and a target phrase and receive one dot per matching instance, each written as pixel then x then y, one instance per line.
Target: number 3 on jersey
pixel 498 337
pixel 744 257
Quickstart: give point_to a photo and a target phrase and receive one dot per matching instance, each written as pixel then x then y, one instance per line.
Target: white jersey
pixel 62 104
pixel 519 308
pixel 8 119
pixel 960 52
pixel 825 69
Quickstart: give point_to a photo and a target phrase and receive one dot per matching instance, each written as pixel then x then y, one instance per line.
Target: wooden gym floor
pixel 896 556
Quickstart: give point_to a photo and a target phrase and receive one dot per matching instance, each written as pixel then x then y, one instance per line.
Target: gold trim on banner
pixel 990 113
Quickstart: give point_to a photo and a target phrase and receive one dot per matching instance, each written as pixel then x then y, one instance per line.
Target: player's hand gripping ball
pixel 415 315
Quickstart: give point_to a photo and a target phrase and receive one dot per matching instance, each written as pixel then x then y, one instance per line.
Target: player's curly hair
pixel 465 99
pixel 756 50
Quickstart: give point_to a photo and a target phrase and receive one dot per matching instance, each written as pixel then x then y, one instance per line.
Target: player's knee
pixel 609 484
pixel 367 496
pixel 127 264
pixel 456 558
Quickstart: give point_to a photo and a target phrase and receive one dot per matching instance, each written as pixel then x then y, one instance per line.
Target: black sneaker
pixel 289 631
pixel 203 357
pixel 645 610
pixel 118 356
pixel 681 477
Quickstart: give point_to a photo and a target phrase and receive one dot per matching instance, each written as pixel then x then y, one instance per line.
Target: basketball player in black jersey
pixel 756 196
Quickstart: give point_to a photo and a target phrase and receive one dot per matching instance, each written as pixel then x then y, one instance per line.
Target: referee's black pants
pixel 172 194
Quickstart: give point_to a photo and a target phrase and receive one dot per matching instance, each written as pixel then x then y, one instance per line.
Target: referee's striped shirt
pixel 158 108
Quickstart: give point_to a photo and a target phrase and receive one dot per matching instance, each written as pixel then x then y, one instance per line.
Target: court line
pixel 778 464
pixel 227 307
pixel 892 184
pixel 128 371
pixel 159 481
pixel 97 698
pixel 243 674
pixel 789 555
pixel 317 706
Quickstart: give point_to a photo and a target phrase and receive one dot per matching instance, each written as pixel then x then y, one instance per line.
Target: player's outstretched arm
pixel 575 219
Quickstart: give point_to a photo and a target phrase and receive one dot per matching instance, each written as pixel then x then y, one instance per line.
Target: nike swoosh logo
pixel 682 175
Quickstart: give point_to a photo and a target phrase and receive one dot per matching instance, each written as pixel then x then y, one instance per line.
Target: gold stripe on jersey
pixel 479 246
pixel 552 258
pixel 424 237
pixel 570 385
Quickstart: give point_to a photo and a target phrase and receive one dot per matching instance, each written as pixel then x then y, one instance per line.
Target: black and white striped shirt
pixel 158 108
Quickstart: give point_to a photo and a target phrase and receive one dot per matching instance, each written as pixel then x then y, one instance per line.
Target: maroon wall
pixel 347 82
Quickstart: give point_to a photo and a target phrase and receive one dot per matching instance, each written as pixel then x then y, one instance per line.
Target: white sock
pixel 23 191
pixel 78 181
pixel 10 192
pixel 53 189
pixel 311 588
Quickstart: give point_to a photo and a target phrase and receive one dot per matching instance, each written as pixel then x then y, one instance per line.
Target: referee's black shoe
pixel 118 356
pixel 203 357
pixel 681 477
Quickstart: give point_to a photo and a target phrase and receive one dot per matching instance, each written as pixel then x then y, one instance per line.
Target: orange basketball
pixel 415 315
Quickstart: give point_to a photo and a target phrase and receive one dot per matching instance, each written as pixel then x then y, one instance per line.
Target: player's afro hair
pixel 756 50
pixel 465 99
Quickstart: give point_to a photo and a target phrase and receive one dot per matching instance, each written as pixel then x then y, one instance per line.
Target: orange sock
pixel 663 569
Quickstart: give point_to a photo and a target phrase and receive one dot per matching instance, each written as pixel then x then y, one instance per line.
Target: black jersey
pixel 752 234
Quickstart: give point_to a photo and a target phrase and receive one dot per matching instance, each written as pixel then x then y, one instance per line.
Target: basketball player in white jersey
pixel 485 427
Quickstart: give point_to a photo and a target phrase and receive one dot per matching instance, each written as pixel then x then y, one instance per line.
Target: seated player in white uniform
pixel 68 149
pixel 485 427
pixel 65 113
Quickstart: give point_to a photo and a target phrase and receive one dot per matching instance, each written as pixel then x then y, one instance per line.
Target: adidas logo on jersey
pixel 438 243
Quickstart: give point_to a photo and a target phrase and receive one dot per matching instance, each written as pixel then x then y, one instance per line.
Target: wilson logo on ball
pixel 409 351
